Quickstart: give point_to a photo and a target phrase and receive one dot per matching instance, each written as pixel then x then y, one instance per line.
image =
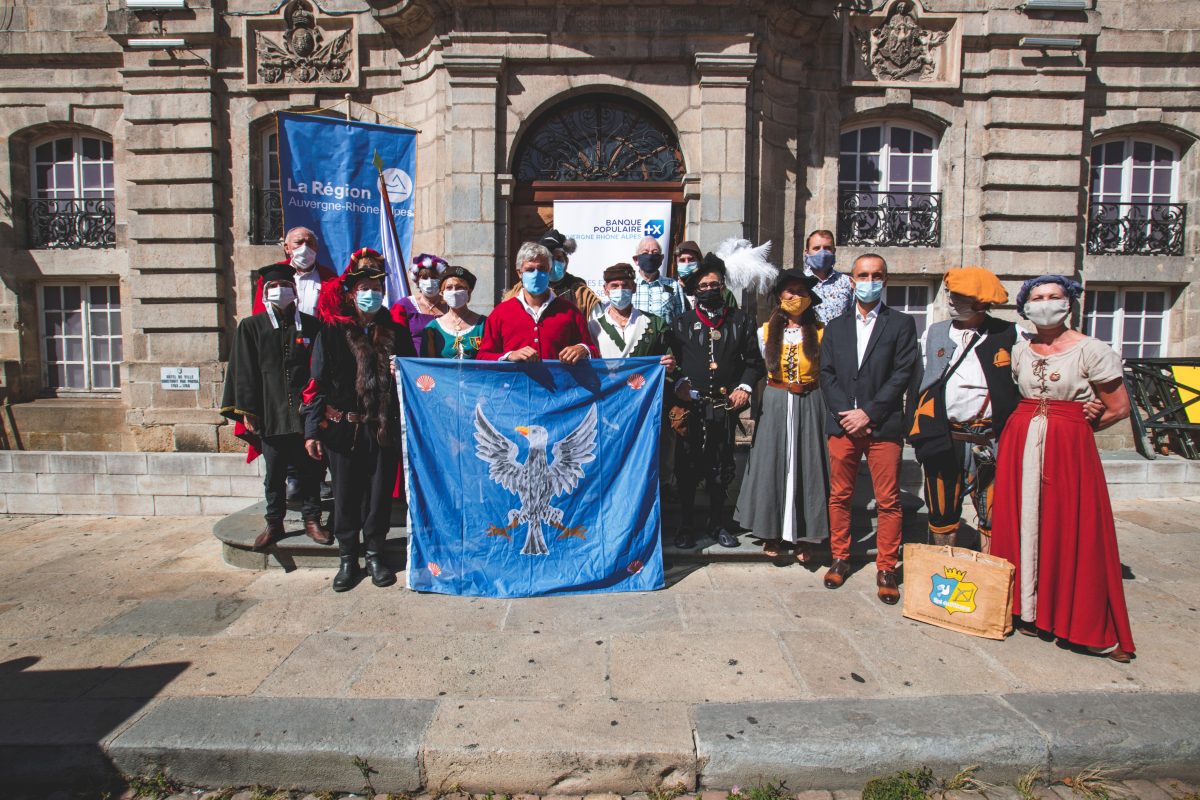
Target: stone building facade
pixel 136 191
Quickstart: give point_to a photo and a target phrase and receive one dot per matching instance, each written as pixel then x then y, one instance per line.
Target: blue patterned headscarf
pixel 1073 289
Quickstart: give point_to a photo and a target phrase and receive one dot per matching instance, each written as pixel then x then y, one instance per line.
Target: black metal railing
pixel 266 217
pixel 1136 229
pixel 892 219
pixel 1159 413
pixel 71 223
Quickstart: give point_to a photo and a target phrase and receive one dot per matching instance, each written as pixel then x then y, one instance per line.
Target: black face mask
pixel 649 263
pixel 711 299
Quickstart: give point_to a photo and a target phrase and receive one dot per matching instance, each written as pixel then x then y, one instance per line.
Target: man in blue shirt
pixel 655 293
pixel 832 287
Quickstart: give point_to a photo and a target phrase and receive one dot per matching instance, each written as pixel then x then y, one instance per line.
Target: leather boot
pixel 349 573
pixel 381 574
pixel 317 532
pixel 271 532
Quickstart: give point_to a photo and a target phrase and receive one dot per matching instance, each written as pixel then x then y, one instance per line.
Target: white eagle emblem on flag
pixel 538 480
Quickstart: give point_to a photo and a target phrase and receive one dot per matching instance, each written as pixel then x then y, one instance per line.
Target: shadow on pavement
pixel 52 738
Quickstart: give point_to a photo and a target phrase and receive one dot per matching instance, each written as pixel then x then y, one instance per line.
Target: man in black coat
pixel 868 357
pixel 268 370
pixel 716 349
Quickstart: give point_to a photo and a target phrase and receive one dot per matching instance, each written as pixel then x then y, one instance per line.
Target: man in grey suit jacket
pixel 868 357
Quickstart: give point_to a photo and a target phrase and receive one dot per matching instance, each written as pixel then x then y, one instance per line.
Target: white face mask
pixel 456 298
pixel 1048 313
pixel 281 296
pixel 428 286
pixel 961 307
pixel 303 257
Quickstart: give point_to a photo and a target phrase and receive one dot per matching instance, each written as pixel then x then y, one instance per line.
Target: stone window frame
pixel 885 155
pixel 85 285
pixel 23 146
pixel 1118 313
pixel 76 137
pixel 924 313
pixel 1130 141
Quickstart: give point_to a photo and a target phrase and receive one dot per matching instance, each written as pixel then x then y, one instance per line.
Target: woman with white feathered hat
pixel 716 348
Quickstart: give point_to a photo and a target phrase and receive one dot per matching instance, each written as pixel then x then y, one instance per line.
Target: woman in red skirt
pixel 1052 517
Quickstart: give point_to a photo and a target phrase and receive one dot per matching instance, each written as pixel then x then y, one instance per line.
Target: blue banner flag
pixel 532 479
pixel 329 182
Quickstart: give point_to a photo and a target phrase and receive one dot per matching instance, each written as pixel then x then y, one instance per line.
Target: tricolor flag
pixel 396 281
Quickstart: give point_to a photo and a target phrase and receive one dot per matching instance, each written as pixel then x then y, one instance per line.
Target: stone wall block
pixel 465 201
pixel 1021 142
pixel 116 484
pixel 133 505
pixel 175 255
pixel 165 316
pixel 34 504
pixel 179 136
pixel 70 483
pixel 712 151
pixel 173 506
pixel 473 115
pixel 1029 233
pixel 175 196
pixel 1016 172
pixel 1025 202
pixel 192 227
pixel 470 238
pixel 208 485
pixel 87 463
pixel 161 107
pixel 170 349
pixel 176 285
pixel 170 166
pixel 193 438
pixel 18 483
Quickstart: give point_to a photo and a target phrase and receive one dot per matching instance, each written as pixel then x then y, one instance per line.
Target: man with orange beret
pixel 969 356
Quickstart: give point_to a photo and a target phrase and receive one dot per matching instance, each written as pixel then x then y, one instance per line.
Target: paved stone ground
pixel 123 619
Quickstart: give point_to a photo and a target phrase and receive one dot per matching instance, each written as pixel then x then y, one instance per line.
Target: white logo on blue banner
pixel 329 183
pixel 607 232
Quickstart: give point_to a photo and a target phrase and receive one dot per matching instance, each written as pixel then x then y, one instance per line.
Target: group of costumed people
pixel 311 383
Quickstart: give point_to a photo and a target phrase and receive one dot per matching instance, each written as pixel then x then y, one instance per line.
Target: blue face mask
pixel 868 291
pixel 686 268
pixel 536 281
pixel 820 260
pixel 621 298
pixel 557 270
pixel 369 301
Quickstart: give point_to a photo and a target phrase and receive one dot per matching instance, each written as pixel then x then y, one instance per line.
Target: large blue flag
pixel 532 479
pixel 329 182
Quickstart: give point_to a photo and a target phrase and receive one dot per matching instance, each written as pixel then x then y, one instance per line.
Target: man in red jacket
pixel 536 325
pixel 300 250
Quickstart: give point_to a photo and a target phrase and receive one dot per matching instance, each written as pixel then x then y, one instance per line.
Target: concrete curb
pixel 829 744
pixel 841 744
pixel 309 743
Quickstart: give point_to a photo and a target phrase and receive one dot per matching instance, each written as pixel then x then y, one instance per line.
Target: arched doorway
pixel 596 146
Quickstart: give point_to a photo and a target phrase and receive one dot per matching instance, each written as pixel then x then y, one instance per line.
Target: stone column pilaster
pixel 176 264
pixel 471 233
pixel 725 117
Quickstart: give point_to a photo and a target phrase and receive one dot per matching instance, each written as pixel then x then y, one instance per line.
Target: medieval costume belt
pixel 333 415
pixel 803 387
pixel 978 431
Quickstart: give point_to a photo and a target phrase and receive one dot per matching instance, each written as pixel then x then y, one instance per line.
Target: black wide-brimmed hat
pixel 278 272
pixel 553 240
pixel 360 270
pixel 788 275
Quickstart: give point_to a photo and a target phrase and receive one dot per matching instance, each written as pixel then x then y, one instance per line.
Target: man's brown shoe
pixel 837 574
pixel 271 531
pixel 889 587
pixel 317 532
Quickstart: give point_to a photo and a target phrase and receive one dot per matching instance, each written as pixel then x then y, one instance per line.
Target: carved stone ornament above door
pixel 294 51
pixel 899 45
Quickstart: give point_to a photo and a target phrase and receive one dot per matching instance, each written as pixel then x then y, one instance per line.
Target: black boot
pixel 349 573
pixel 380 574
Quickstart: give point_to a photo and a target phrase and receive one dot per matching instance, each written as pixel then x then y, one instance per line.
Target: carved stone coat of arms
pixel 899 48
pixel 303 56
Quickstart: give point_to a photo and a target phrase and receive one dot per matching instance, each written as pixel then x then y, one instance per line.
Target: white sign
pixel 180 379
pixel 607 232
